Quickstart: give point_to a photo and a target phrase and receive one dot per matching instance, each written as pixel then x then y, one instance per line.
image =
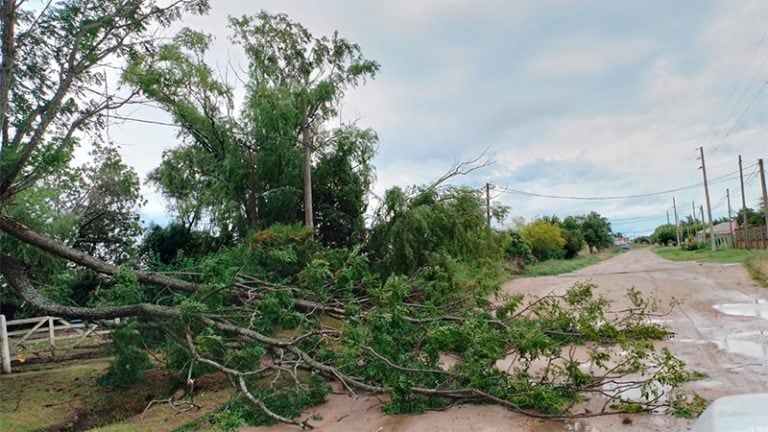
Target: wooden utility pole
pixel 693 209
pixel 488 203
pixel 730 221
pixel 709 207
pixel 765 194
pixel 745 222
pixel 668 222
pixel 677 221
pixel 306 142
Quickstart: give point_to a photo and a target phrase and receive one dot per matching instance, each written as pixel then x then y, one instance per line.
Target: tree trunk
pixel 14 273
pixel 305 140
pixel 253 209
pixel 20 232
pixel 8 20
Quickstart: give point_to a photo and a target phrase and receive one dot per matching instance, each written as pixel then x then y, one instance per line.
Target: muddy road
pixel 721 329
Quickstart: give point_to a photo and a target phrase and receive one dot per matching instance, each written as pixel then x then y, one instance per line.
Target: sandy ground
pixel 721 329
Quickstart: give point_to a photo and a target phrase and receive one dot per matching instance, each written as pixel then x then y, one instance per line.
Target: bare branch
pixel 463 168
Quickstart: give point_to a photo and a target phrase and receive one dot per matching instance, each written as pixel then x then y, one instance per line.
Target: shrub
pixel 516 248
pixel 664 234
pixel 546 239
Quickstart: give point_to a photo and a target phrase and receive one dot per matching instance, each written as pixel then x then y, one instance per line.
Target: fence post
pixel 5 347
pixel 51 332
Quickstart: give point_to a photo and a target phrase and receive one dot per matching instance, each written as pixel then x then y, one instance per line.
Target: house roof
pixel 721 228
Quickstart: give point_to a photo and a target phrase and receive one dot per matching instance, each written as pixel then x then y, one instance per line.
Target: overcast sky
pixel 580 99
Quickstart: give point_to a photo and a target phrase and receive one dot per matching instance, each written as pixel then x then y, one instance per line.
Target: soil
pixel 66 397
pixel 720 329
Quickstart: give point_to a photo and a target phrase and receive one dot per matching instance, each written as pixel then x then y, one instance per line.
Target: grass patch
pixel 757 266
pixel 561 266
pixel 708 255
pixel 69 398
pixel 755 261
pixel 46 398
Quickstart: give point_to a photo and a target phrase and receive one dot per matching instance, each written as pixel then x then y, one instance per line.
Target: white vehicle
pixel 738 413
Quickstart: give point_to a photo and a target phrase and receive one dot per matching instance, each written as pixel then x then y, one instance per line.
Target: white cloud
pixel 445 92
pixel 578 56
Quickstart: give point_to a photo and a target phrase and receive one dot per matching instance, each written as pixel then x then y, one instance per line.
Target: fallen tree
pixel 403 310
pixel 390 334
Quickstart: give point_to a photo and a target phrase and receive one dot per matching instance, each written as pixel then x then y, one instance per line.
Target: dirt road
pixel 721 329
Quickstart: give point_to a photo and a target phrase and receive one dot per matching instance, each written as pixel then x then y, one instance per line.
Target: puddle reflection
pixel 744 347
pixel 758 309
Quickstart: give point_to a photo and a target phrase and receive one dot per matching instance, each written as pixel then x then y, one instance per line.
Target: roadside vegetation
pixel 755 261
pixel 556 267
pixel 550 245
pixel 268 275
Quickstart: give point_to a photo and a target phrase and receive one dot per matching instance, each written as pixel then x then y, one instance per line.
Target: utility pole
pixel 668 223
pixel 730 221
pixel 703 221
pixel 709 207
pixel 677 222
pixel 488 203
pixel 765 195
pixel 745 222
pixel 693 209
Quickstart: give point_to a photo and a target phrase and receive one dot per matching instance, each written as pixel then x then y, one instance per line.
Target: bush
pixel 546 239
pixel 664 234
pixel 642 240
pixel 167 244
pixel 516 248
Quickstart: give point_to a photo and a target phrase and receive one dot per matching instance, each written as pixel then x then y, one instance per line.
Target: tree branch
pixel 24 234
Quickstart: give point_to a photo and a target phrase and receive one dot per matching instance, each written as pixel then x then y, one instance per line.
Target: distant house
pixel 722 232
pixel 621 242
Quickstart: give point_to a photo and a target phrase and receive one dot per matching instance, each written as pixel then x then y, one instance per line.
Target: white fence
pixel 45 331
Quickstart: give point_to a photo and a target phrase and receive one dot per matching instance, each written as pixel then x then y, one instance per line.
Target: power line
pixel 639 220
pixel 607 198
pixel 636 218
pixel 736 86
pixel 742 115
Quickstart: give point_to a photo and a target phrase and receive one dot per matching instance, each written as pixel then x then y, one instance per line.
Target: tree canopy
pixel 246 168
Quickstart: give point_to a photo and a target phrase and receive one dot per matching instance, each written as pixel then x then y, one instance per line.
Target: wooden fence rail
pixel 45 330
pixel 753 238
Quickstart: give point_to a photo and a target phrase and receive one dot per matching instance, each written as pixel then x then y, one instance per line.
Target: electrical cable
pixel 736 123
pixel 607 198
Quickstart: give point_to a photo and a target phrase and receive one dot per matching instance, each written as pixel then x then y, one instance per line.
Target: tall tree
pixel 51 96
pixel 315 71
pixel 596 230
pixel 51 65
pixel 241 171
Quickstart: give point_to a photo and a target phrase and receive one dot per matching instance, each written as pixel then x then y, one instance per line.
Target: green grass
pixel 708 255
pixel 561 266
pixel 46 398
pixel 755 261
pixel 68 397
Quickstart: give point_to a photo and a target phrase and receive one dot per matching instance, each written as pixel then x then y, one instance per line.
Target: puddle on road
pixel 744 347
pixel 564 426
pixel 657 392
pixel 751 344
pixel 757 309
